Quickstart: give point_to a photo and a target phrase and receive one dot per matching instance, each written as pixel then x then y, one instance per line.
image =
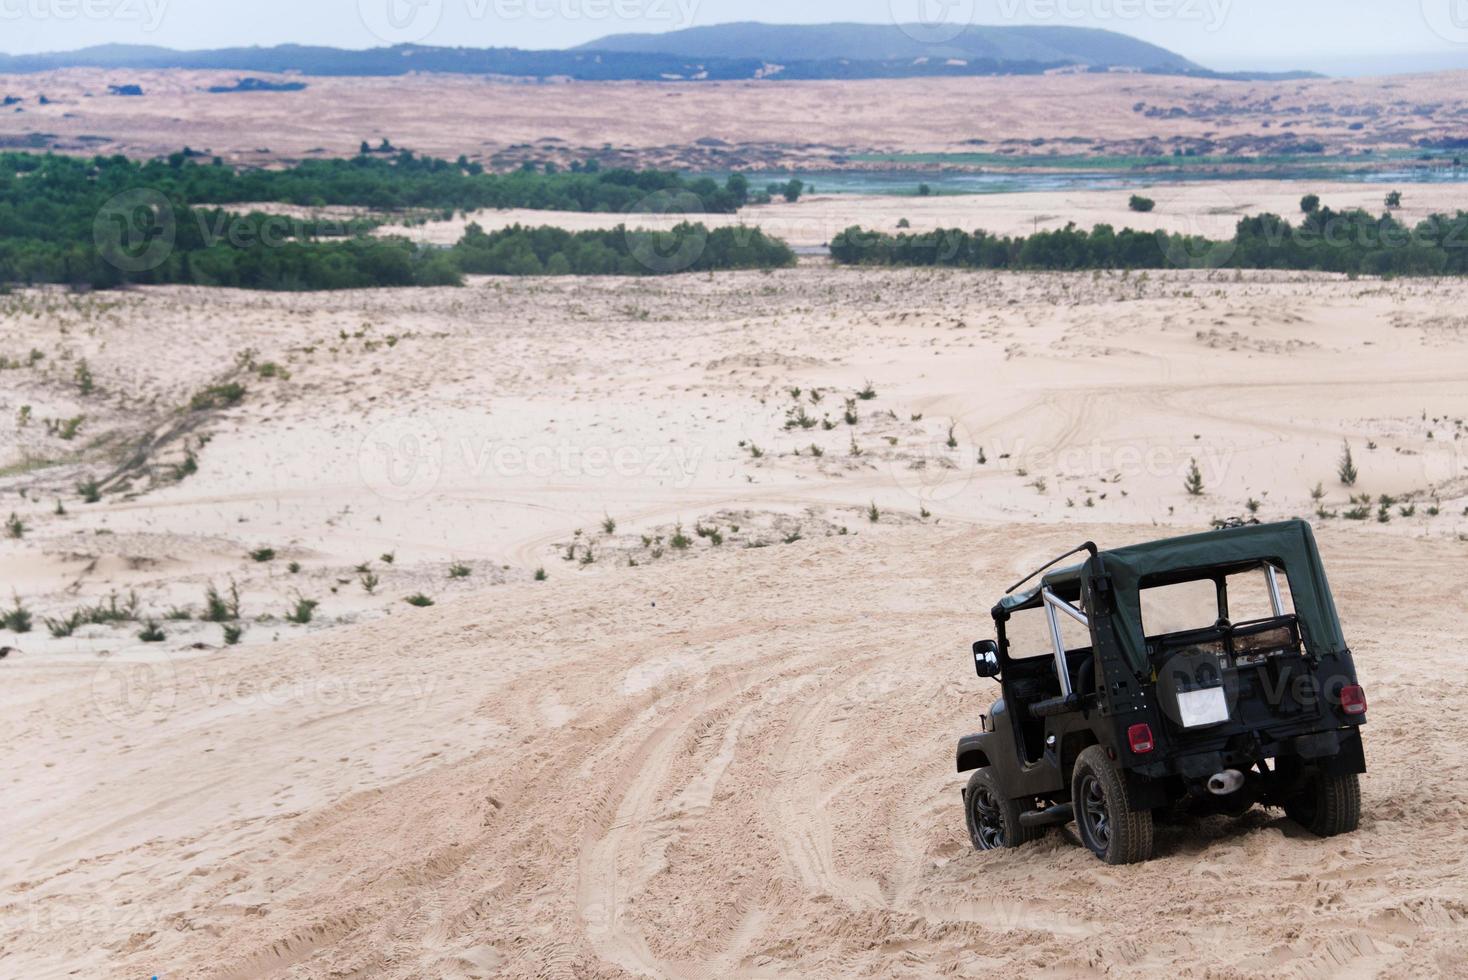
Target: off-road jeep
pixel 1206 671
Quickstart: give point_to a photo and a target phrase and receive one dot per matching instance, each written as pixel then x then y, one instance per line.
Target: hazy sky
pixel 1343 36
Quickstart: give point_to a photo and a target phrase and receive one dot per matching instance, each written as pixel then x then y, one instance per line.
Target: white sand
pixel 725 761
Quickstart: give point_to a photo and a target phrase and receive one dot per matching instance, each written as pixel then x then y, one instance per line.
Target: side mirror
pixel 986 658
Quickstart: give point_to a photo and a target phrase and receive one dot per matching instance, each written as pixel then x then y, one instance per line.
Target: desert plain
pixel 695 562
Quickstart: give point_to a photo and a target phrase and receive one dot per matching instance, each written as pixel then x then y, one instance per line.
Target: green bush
pixel 688 247
pixel 1349 242
pixel 56 212
pixel 218 397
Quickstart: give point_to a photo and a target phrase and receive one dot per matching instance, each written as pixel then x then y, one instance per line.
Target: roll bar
pixel 1088 546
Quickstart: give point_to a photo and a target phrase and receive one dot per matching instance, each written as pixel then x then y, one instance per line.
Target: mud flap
pixel 1350 758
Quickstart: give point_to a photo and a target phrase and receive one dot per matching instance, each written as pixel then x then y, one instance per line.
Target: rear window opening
pixel 1185 617
pixel 1198 604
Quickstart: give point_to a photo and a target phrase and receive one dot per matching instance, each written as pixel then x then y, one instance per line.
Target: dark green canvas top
pixel 1064 582
pixel 1290 545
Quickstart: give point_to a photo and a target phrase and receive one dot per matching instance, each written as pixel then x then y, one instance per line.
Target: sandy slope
pixel 733 759
pixel 488 425
pixel 740 766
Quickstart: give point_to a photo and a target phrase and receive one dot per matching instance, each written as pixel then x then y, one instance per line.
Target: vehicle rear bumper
pixel 1337 751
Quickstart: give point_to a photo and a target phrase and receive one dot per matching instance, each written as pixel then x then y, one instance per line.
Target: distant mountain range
pixel 785 43
pixel 723 52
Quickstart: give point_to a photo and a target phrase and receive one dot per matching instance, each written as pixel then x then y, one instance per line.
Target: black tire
pixel 993 820
pixel 1109 825
pixel 1328 805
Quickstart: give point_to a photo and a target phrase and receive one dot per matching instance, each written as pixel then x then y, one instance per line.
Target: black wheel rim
pixel 988 824
pixel 1094 819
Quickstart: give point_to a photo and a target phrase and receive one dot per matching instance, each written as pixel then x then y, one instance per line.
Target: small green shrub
pixel 17 619
pixel 1194 482
pixel 66 626
pixel 218 608
pixel 218 397
pixel 1346 468
pixel 303 611
pixel 67 429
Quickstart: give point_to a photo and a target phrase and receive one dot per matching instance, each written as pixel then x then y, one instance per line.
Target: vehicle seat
pixel 1086 676
pixel 1083 685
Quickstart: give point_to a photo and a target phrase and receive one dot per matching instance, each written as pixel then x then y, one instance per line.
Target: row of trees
pixel 287 265
pixel 110 221
pixel 385 262
pixel 48 197
pixel 1069 248
pixel 520 251
pixel 1352 242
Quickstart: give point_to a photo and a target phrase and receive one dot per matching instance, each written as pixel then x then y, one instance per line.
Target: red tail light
pixel 1139 737
pixel 1353 700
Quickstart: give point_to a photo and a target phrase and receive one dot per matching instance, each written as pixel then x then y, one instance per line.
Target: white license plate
pixel 1198 708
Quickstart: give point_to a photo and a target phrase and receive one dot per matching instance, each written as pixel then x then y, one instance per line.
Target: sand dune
pixel 733 758
pixel 726 125
pixel 739 766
